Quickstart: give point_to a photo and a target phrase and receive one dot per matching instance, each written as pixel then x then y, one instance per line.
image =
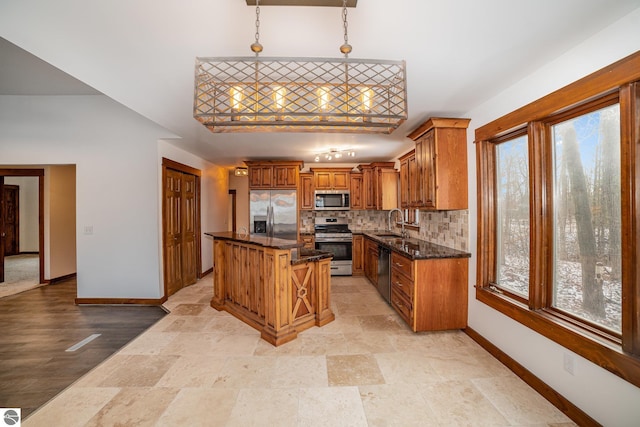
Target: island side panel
pixel 324 314
pixel 219 267
pixel 255 273
pixel 278 315
pixel 303 298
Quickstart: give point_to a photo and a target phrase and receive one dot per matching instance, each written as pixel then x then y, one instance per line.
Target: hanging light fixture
pixel 334 154
pixel 254 94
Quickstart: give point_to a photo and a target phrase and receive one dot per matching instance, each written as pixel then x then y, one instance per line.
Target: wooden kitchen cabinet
pixel 331 178
pixel 357 255
pixel 380 185
pixel 405 179
pixel 305 193
pixel 309 240
pixel 430 294
pixel 441 164
pixel 273 174
pixel 356 188
pixel 371 260
pixel 414 193
pixel 409 181
pixel 368 187
pixel 260 177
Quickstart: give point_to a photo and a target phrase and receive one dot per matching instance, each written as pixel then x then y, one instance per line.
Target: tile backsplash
pixel 358 219
pixel 447 228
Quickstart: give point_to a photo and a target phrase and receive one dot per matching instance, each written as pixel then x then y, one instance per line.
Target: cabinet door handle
pixel 398 264
pixel 398 284
pixel 399 303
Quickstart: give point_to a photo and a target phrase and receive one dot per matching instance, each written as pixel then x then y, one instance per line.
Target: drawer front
pixel 402 264
pixel 402 306
pixel 402 284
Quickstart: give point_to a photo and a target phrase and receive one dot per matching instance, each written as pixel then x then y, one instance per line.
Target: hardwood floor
pixel 37 326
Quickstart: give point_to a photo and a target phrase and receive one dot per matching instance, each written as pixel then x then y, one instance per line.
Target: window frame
pixel 619 354
pixel 493 274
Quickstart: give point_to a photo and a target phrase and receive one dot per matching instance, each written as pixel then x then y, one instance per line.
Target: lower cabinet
pixel 357 253
pixel 430 294
pixel 371 260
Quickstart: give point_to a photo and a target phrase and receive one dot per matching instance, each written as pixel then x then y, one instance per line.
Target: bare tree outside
pixel 587 261
pixel 513 216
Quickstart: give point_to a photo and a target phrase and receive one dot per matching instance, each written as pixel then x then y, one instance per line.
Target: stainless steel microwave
pixel 331 200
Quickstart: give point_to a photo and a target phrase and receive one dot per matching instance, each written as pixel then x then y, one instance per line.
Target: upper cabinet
pixel 380 185
pixel 306 190
pixel 406 183
pixel 331 179
pixel 440 165
pixel 355 191
pixel 274 174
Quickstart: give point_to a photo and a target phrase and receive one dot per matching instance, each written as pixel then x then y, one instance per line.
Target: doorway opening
pixel 232 211
pixel 21 230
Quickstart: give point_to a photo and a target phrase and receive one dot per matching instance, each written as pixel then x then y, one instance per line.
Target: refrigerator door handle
pixel 268 228
pixel 273 222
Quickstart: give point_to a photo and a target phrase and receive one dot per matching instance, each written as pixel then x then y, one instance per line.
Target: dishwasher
pixel 384 273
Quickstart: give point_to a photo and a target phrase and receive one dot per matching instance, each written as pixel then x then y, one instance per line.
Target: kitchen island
pixel 274 285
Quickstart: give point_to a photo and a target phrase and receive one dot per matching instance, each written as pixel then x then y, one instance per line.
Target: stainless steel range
pixel 333 235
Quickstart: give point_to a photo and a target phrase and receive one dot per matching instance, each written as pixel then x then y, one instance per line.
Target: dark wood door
pixel 1 229
pixel 188 231
pixel 173 230
pixel 181 230
pixel 11 220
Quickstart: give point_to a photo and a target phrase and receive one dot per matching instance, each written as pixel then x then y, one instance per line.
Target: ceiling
pixel 142 54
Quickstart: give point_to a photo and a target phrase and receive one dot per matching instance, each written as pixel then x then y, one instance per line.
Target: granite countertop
pixel 413 248
pixel 267 242
pixel 302 255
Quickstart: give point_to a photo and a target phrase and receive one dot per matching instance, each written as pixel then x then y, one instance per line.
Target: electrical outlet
pixel 568 363
pixel 88 230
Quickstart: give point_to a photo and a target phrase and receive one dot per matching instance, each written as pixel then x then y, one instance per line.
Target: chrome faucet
pixel 404 233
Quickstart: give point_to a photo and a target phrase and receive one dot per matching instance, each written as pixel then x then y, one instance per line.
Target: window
pixel 558 213
pixel 512 207
pixel 587 217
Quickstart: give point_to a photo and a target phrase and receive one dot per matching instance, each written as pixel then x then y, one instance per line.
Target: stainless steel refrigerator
pixel 274 213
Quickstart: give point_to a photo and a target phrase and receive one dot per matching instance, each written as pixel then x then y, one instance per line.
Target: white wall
pixel 214 190
pixel 115 152
pixel 604 396
pixel 29 225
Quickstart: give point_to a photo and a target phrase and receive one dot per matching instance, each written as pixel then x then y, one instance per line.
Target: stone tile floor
pixel 201 367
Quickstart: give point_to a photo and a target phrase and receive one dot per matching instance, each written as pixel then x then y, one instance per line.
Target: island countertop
pixel 302 255
pixel 267 242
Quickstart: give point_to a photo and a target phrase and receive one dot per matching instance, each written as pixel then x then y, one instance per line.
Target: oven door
pixel 341 250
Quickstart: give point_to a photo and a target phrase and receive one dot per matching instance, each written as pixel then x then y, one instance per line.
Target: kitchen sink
pixel 397 241
pixel 387 235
